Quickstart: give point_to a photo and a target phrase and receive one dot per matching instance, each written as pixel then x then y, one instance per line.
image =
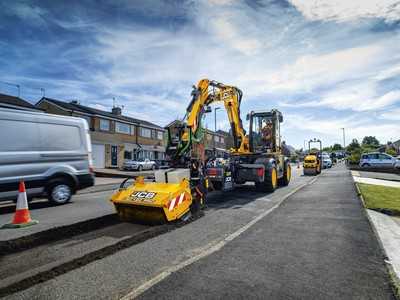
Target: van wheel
pixel 59 191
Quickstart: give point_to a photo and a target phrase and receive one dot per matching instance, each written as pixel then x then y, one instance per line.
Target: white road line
pixel 208 249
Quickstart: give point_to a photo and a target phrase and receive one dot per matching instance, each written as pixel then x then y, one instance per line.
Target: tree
pixel 354 145
pixel 370 141
pixel 337 147
pixel 327 149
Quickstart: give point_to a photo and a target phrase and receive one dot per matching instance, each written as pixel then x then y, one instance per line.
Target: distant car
pixel 326 161
pixel 378 160
pixel 139 165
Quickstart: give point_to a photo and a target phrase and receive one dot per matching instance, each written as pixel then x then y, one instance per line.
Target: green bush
pixel 355 157
pixel 391 152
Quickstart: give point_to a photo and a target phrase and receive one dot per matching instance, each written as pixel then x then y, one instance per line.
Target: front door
pixel 114 155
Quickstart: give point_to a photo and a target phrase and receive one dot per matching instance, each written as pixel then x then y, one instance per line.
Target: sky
pixel 326 64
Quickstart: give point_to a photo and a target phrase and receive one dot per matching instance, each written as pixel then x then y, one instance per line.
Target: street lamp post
pixel 215 125
pixel 344 139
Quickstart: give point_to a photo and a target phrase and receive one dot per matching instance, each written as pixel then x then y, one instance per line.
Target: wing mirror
pixel 208 109
pixel 247 117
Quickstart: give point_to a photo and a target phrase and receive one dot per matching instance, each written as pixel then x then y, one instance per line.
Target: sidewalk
pixel 376 175
pixel 317 245
pixel 376 181
pixel 388 230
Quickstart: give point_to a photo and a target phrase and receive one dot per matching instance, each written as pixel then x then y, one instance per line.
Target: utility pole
pixel 215 124
pixel 344 139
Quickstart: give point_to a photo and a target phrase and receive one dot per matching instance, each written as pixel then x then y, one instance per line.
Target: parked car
pixel 51 153
pixel 397 163
pixel 139 165
pixel 326 161
pixel 378 160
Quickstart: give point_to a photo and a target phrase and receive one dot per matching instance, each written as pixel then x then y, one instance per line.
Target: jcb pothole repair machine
pixel 180 191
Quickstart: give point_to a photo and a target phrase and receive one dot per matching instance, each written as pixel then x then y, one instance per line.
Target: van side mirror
pixel 208 109
pixel 247 117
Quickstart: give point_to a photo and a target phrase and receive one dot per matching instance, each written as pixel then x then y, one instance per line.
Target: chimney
pixel 116 110
pixel 74 102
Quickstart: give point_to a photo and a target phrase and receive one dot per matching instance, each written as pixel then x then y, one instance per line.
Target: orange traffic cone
pixel 22 217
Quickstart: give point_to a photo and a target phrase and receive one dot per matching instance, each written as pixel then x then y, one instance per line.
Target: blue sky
pixel 326 64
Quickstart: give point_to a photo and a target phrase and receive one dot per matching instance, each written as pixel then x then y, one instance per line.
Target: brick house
pixel 114 137
pixel 8 101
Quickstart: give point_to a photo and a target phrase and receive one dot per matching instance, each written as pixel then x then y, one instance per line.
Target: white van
pixel 51 153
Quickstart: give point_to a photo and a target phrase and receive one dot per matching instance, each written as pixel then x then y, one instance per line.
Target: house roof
pixel 16 102
pixel 94 111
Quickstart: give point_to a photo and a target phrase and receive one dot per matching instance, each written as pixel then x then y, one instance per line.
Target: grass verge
pixel 381 198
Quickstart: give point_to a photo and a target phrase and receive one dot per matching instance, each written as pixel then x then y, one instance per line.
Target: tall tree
pixel 370 141
pixel 353 145
pixel 337 147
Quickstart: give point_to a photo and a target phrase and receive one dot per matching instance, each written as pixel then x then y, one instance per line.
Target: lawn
pixel 381 198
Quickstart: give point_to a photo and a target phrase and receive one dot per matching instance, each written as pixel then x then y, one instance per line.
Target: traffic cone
pixel 22 217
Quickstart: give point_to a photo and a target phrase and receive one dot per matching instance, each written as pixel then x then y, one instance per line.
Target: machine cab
pixel 264 135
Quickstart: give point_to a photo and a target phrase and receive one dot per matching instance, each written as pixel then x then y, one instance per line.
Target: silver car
pixel 139 165
pixel 51 154
pixel 378 160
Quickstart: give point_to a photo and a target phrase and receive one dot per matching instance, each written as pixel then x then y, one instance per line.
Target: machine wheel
pixel 287 175
pixel 318 170
pixel 270 181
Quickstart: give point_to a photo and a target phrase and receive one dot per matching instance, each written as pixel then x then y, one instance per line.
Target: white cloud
pixel 345 10
pixel 391 115
pixel 329 129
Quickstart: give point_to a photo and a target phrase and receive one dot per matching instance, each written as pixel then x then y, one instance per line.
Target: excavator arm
pixel 204 94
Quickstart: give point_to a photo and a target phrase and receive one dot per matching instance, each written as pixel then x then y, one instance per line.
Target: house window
pixel 133 130
pixel 128 155
pixel 221 139
pixel 122 128
pixel 216 138
pixel 145 132
pixel 160 135
pixel 104 125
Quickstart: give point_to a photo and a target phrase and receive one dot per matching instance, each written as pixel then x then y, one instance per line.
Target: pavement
pixel 317 245
pixel 107 172
pixel 388 230
pixel 377 181
pixel 376 175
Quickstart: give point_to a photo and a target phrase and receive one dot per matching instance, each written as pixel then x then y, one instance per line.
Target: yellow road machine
pixel 313 161
pixel 181 190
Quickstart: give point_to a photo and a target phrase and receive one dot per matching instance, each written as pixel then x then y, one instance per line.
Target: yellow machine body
pixel 153 202
pixel 311 165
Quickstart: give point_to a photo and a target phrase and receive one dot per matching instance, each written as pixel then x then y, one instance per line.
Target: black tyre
pixel 365 165
pixel 59 191
pixel 270 181
pixel 287 175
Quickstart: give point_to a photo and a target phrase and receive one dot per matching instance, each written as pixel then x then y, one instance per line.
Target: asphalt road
pixel 82 207
pixel 116 275
pixel 317 245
